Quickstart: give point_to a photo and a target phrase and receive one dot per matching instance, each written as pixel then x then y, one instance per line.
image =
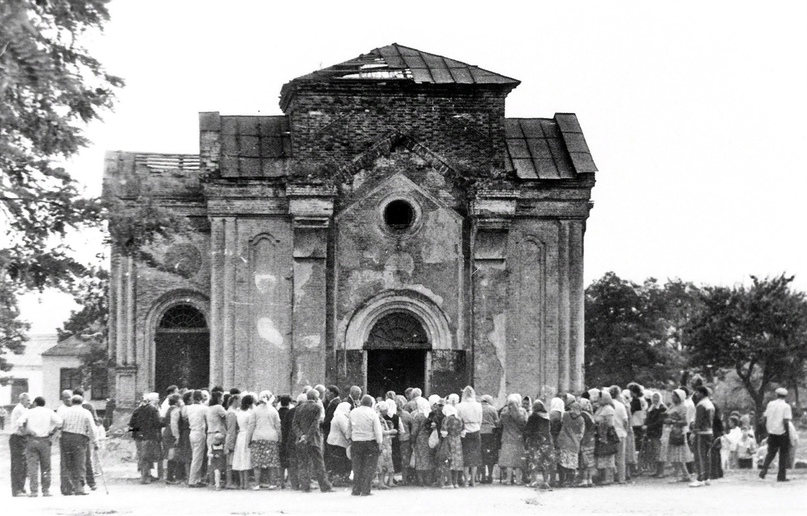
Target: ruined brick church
pixel 391 228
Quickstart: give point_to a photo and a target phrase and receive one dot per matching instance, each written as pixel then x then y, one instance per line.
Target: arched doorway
pixel 182 349
pixel 397 347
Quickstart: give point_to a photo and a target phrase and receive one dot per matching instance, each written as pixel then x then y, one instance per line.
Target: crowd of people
pixel 244 440
pixel 74 425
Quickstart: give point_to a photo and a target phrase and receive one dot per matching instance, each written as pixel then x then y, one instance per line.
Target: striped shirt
pixel 78 420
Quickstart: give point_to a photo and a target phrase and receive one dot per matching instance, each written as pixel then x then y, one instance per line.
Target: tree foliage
pixel 50 88
pixel 633 331
pixel 759 331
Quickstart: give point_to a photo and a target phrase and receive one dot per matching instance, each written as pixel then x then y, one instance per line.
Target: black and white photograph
pixel 458 258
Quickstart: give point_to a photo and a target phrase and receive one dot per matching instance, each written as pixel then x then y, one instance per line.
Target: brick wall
pixel 464 124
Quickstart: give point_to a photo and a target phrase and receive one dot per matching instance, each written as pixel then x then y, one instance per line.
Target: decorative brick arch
pixel 423 308
pixel 165 302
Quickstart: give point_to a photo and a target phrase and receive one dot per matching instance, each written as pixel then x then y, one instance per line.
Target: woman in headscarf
pixel 393 421
pixel 604 419
pixel 538 442
pixel 470 413
pixel 571 434
pixel 622 425
pixel 490 433
pixel 421 431
pixel 556 409
pixel 675 430
pixel 265 435
pixel 511 456
pixel 450 454
pixel 587 462
pixel 385 467
pixel 654 427
pixel 631 465
pixel 405 440
pixel 336 461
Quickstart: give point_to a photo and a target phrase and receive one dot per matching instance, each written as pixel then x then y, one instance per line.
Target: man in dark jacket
pixel 145 425
pixel 305 428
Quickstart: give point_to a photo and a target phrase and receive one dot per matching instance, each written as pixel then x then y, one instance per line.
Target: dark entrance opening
pixel 182 356
pixel 396 354
pixel 392 370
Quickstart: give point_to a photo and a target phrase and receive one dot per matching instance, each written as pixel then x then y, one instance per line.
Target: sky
pixel 694 111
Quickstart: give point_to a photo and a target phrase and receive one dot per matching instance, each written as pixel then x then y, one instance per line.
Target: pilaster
pixel 311 208
pixel 492 213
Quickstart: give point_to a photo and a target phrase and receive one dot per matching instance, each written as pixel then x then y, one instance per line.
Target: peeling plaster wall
pixel 371 258
pixel 265 303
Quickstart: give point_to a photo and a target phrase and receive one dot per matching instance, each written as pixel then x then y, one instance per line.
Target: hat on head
pixel 781 391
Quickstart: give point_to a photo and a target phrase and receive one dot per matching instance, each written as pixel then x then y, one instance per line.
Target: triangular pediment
pixel 397 183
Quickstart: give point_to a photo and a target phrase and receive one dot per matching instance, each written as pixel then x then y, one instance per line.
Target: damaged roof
pixel 252 145
pixel 397 62
pixel 547 148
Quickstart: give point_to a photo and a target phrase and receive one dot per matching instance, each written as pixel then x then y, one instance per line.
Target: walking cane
pixel 100 468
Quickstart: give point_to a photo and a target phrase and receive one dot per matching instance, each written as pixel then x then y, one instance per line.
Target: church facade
pixel 391 229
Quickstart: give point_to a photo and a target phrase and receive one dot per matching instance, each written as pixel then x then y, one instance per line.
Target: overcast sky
pixel 694 111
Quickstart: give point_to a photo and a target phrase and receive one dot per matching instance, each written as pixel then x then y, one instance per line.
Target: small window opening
pixel 399 215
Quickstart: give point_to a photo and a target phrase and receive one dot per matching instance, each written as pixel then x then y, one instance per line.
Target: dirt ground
pixel 739 493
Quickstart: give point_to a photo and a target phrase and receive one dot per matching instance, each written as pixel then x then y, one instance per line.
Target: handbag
pixel 434 439
pixel 607 444
pixel 677 436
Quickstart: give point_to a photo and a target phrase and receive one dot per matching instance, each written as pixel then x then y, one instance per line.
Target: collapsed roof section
pixel 399 63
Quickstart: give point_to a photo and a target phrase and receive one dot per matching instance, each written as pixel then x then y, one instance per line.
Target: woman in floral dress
pixel 540 448
pixel 451 464
pixel 511 455
pixel 424 455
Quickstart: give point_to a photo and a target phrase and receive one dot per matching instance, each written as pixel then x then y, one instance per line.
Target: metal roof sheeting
pixel 404 63
pixel 250 145
pixel 547 148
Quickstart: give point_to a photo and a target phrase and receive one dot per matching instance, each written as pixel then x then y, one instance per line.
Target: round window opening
pixel 399 215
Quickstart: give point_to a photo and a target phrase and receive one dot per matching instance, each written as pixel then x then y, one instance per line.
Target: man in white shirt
pixel 39 424
pixel 778 415
pixel 16 443
pixel 366 437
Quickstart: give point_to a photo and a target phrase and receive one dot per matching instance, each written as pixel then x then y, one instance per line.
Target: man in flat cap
pixel 778 415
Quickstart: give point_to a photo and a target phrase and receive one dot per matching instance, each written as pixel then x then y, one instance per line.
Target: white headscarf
pixel 449 410
pixel 433 399
pixel 423 406
pixel 557 405
pixel 392 407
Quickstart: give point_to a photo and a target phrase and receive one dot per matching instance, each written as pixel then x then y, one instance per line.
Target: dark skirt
pixel 183 451
pixel 149 450
pixel 472 449
pixel 336 461
pixel 490 449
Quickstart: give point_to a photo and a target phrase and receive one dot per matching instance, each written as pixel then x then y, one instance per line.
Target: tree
pixel 631 331
pixel 50 88
pixel 758 331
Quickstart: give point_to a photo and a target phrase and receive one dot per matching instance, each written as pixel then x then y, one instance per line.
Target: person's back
pixel 197 417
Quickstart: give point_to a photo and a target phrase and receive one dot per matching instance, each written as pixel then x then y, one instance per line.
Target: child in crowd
pixel 218 460
pixel 746 446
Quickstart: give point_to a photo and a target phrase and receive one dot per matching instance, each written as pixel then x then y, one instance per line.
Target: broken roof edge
pixel 402 65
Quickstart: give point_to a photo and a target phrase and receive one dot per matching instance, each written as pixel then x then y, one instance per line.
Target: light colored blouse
pixel 265 423
pixel 470 412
